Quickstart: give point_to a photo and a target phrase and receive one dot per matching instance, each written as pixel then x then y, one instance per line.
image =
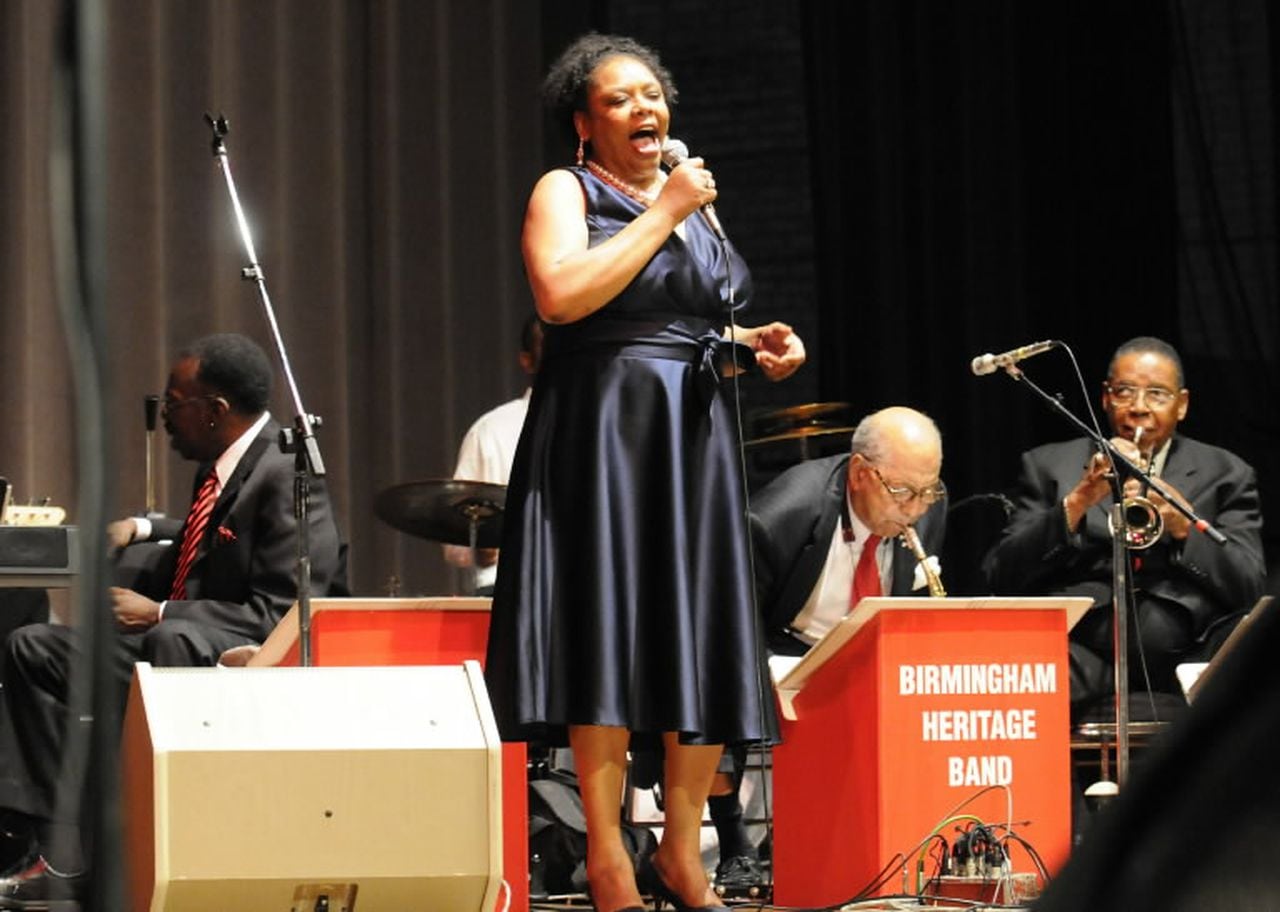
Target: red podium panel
pixel 427 631
pixel 900 719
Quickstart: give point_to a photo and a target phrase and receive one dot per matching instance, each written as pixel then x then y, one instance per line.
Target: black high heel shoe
pixel 651 882
pixel 592 900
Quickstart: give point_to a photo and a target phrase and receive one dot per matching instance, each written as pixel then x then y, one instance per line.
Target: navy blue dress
pixel 624 594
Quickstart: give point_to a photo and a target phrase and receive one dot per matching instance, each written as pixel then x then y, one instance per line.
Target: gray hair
pixel 1144 345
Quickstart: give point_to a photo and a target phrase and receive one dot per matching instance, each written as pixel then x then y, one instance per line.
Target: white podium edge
pixel 790 685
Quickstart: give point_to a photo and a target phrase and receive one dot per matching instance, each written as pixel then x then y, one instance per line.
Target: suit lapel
pixel 812 556
pixel 1179 469
pixel 231 490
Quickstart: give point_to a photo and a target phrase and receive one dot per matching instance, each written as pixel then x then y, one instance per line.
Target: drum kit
pixel 456 511
pixel 447 510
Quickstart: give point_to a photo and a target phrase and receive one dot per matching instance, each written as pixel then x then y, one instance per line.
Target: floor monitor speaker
pixel 310 789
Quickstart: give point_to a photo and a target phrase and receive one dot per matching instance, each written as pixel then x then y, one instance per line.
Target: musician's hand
pixel 1095 482
pixel 120 533
pixel 779 351
pixel 134 612
pixel 1176 525
pixel 238 656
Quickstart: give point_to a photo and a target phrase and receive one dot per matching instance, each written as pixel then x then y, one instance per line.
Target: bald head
pixel 894 448
pixel 897 432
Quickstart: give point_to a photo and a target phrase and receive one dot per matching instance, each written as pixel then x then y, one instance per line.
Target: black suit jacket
pixel 1036 556
pixel 792 521
pixel 244 577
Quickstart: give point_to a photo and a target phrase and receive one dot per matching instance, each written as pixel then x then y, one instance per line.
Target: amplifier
pixel 28 550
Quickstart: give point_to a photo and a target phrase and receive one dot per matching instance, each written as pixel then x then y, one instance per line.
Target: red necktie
pixel 866 576
pixel 193 531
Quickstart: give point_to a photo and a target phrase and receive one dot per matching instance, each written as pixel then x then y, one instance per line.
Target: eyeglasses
pixel 1156 396
pixel 168 404
pixel 903 494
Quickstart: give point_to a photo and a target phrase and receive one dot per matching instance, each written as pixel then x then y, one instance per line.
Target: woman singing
pixel 623 601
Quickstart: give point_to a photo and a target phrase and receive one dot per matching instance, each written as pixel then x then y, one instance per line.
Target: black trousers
pixel 1161 635
pixel 36 677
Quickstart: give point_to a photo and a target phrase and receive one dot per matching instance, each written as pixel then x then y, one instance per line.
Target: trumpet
pixel 1143 523
pixel 912 541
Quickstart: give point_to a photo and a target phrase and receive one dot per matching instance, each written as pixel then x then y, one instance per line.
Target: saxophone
pixel 912 541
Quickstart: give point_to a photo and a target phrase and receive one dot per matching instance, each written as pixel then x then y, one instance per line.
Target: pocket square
pixel 225 535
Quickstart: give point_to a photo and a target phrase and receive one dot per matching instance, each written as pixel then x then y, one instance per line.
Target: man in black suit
pixel 1057 541
pixel 811 527
pixel 238 580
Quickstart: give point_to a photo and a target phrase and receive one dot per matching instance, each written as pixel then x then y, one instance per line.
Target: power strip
pixel 1022 888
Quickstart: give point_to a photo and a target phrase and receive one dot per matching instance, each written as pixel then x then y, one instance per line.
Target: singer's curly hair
pixel 565 88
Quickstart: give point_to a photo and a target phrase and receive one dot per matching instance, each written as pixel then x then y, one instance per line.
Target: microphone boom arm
pixel 302 441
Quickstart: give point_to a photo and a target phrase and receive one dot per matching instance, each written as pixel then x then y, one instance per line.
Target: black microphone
pixel 989 363
pixel 675 152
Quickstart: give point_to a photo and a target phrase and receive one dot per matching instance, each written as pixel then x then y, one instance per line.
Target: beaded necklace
pixel 640 196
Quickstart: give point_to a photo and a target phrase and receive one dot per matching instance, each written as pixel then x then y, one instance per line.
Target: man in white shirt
pixel 487 451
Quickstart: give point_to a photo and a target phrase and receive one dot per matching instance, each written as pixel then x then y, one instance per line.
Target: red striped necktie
pixel 866 576
pixel 193 531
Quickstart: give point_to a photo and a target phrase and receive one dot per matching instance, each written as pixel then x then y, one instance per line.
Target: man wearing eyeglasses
pixel 223 585
pixel 813 524
pixel 1058 541
pixel 825 535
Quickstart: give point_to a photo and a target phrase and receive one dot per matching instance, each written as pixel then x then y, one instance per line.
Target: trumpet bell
pixel 1143 524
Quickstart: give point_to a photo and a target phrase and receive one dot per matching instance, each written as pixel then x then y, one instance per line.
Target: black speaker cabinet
pixel 39 550
pixel 304 789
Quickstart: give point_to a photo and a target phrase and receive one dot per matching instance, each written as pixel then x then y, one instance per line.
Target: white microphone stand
pixel 300 440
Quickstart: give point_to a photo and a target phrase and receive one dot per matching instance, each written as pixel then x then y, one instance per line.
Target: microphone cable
pixel 764 680
pixel 1117 491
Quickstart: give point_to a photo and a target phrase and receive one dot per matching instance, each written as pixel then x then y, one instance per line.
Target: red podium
pixel 425 631
pixel 906 711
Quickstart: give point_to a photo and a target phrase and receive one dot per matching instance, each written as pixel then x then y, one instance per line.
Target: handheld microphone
pixel 674 152
pixel 989 363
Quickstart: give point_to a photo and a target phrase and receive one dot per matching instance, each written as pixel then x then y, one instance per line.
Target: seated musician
pixel 488 449
pixel 826 534
pixel 226 581
pixel 1057 541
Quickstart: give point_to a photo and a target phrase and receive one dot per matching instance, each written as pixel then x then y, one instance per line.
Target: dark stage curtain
pixel 914 182
pixel 987 175
pixel 383 152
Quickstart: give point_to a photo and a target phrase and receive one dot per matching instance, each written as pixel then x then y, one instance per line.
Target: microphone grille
pixel 673 152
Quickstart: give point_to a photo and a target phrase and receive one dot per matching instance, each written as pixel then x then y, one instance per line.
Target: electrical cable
pixel 764 683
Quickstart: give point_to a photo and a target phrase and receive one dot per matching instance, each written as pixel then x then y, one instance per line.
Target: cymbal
pixel 803 433
pixel 443 509
pixel 821 414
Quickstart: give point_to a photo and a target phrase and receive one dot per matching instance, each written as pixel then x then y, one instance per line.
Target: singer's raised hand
pixel 779 351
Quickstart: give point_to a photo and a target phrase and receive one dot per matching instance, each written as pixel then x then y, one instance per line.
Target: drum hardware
pixel 448 510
